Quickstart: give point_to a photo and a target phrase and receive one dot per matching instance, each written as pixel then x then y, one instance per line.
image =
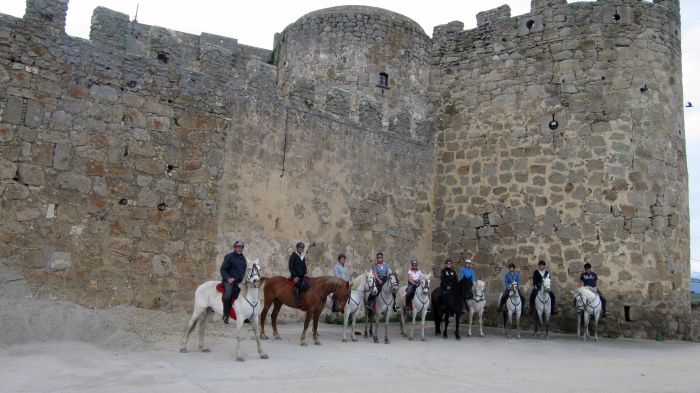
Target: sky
pixel 255 23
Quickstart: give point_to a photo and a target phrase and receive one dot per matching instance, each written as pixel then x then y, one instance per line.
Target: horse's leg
pixel 275 311
pixel 188 330
pixel 422 323
pixel 436 319
pixel 239 325
pixel 374 324
pixel 306 326
pixel 413 323
pixel 471 316
pixel 203 320
pixel 447 321
pixel 346 317
pixel 578 324
pixel 254 323
pixel 367 320
pixel 458 316
pixel 481 322
pixel 517 319
pixel 402 321
pixel 317 314
pixel 546 327
pixel 263 315
pixel 586 317
pixel 595 325
pixel 386 324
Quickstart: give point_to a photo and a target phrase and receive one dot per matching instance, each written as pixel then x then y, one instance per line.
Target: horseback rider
pixel 413 278
pixel 467 273
pixel 537 277
pixel 448 277
pixel 340 271
pixel 380 271
pixel 590 279
pixel 297 271
pixel 511 276
pixel 232 271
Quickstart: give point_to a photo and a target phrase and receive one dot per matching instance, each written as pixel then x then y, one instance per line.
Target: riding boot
pixel 227 311
pixel 297 296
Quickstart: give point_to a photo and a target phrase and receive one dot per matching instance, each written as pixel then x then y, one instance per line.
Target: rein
pixel 479 298
pixel 587 303
pixel 423 303
pixel 254 271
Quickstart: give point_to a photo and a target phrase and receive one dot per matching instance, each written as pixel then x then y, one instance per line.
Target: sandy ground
pixel 72 349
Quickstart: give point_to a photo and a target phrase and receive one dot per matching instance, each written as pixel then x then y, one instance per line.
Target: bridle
pixel 513 293
pixel 251 281
pixel 478 298
pixel 545 291
pixel 425 287
pixel 370 286
pixel 393 283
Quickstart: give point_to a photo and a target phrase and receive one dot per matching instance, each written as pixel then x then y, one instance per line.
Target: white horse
pixel 543 307
pixel 207 301
pixel 419 305
pixel 384 305
pixel 362 286
pixel 589 304
pixel 476 306
pixel 514 307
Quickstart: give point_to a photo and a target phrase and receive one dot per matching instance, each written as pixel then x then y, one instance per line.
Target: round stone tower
pixel 561 138
pixel 363 62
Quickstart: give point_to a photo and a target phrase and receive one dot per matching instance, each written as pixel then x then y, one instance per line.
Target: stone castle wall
pixel 607 186
pixel 130 163
pixel 117 157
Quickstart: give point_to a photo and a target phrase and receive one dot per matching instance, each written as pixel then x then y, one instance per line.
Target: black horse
pixel 450 301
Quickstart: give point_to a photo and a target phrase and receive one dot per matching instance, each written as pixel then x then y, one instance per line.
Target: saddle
pixel 220 288
pixel 304 283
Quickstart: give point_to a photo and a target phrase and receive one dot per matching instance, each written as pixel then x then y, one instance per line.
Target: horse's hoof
pixel 481 334
pixel 458 338
pixel 386 341
pixel 264 356
pixel 376 340
pixel 240 359
pixel 317 343
pixel 518 336
pixel 303 344
pixel 422 338
pixel 264 337
pixel 278 337
pixel 410 339
pixel 183 350
pixel 205 349
pixel 345 340
pixel 366 335
pixel 469 334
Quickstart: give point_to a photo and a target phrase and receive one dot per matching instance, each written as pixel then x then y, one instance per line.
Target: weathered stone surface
pixel 31 175
pixel 8 169
pixel 60 260
pixel 73 181
pixel 61 157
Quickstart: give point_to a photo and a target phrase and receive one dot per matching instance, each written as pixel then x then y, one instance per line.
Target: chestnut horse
pixel 277 290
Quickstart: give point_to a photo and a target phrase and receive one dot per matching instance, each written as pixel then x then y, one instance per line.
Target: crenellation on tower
pixel 47 15
pixel 486 18
pixel 109 29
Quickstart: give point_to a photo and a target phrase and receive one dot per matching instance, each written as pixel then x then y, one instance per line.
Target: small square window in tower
pixel 383 80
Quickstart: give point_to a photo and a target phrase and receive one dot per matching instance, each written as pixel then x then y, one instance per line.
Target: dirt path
pixel 492 363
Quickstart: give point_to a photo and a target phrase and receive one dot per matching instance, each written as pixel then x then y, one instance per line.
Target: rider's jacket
pixel 448 278
pixel 234 265
pixel 510 277
pixel 537 278
pixel 589 279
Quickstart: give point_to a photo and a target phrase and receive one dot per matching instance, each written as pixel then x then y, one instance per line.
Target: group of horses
pixel 354 297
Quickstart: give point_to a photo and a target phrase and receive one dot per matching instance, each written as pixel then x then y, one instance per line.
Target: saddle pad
pixel 220 288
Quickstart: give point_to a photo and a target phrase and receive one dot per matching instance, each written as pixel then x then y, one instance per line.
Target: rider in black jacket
pixel 448 276
pixel 537 277
pixel 297 271
pixel 232 271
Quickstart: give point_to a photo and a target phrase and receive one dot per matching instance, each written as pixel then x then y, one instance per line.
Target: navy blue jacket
pixel 234 266
pixel 297 266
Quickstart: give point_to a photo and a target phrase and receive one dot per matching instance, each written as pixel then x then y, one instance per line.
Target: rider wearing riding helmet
pixel 297 271
pixel 590 279
pixel 380 271
pixel 538 277
pixel 511 276
pixel 413 277
pixel 232 271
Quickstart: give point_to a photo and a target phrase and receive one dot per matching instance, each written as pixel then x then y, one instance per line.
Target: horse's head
pixel 546 284
pixel 370 284
pixel 578 298
pixel 394 282
pixel 480 286
pixel 252 276
pixel 341 294
pixel 425 283
pixel 513 289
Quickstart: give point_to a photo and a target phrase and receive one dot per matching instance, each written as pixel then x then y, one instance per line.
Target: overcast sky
pixel 255 23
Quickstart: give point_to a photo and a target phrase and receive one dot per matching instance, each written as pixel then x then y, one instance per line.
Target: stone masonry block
pixel 61 157
pixel 31 175
pixel 58 260
pixel 13 110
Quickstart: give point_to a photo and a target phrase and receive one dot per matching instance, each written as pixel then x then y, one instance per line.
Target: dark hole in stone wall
pixel 627 314
pixel 616 17
pixel 162 56
pixel 529 24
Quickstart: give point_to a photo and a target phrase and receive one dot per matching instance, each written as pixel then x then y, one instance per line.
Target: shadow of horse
pixel 448 302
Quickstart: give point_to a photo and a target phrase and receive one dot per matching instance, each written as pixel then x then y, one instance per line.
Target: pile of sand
pixel 27 320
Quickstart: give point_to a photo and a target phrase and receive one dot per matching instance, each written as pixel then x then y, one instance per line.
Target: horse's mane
pixel 357 280
pixel 586 291
pixel 244 288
